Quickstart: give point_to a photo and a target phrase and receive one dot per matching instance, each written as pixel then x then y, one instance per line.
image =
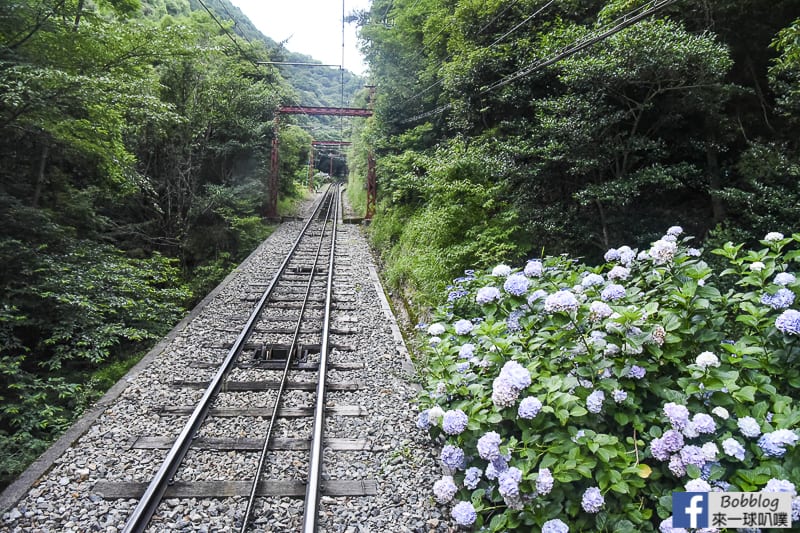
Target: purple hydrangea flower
pixel 536 295
pixel 592 500
pixel 673 440
pixel 594 402
pixel 489 446
pixel 663 251
pixel 533 268
pixel 613 292
pixel 783 279
pixel 444 489
pixel 704 423
pixel 560 301
pixel 676 466
pixel 516 284
pixel 693 455
pixel 733 448
pixel 544 482
pixel 423 420
pixel 529 407
pixel 678 415
pixel 636 372
pixel 788 322
pixel 675 231
pixel 464 514
pixel 453 457
pixel 658 449
pixel 749 427
pixel 666 527
pixel 611 255
pixel 472 477
pixel 454 421
pixel 619 395
pixel 626 255
pixel 487 295
pixel 555 526
pixel 693 252
pixel 780 300
pixel 463 326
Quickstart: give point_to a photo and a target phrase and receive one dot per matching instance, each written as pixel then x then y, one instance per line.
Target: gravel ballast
pixel 402 460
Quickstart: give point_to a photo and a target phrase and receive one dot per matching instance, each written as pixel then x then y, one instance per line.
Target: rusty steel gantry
pixel 372 186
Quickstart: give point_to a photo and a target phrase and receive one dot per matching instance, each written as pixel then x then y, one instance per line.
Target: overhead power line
pixel 619 24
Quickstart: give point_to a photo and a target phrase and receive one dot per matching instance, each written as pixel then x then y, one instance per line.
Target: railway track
pixel 282 348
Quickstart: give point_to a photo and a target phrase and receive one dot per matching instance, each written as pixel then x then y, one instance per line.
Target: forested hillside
pixel 487 154
pixel 134 148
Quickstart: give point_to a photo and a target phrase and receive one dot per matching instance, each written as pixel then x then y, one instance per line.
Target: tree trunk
pixel 78 15
pixel 37 192
pixel 714 173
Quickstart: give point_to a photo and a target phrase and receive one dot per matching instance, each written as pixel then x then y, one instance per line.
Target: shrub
pixel 590 394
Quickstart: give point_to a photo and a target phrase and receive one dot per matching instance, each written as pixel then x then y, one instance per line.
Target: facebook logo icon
pixel 690 509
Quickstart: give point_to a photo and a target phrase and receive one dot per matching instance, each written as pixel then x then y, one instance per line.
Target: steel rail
pixel 148 504
pixel 310 511
pixel 284 378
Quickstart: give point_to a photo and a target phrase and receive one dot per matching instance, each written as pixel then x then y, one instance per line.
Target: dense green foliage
pixel 588 395
pixel 689 116
pixel 135 142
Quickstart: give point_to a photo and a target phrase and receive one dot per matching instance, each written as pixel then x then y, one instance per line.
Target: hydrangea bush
pixel 577 398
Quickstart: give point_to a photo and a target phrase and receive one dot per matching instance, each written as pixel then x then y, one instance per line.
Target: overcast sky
pixel 313 27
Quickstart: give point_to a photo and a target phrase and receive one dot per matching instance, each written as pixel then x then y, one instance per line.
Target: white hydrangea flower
pixel 501 270
pixel 757 266
pixel 773 236
pixel 721 412
pixel 436 329
pixel 707 359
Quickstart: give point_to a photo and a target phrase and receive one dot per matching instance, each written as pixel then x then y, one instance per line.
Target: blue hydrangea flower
pixel 516 374
pixel 454 421
pixel 626 255
pixel 733 448
pixel 788 322
pixel 594 402
pixel 666 527
pixel 613 292
pixel 592 500
pixel 697 485
pixel 529 407
pixel 444 489
pixel 780 300
pixel 466 351
pixel 472 477
pixel 436 329
pixel 463 326
pixel 464 514
pixel 555 526
pixel 693 252
pixel 487 295
pixel 536 295
pixel 501 271
pixel 783 279
pixel 773 444
pixel 504 393
pixel 780 485
pixel 560 301
pixel 489 446
pixel 618 272
pixel 675 230
pixel 516 284
pixel 592 279
pixel 619 396
pixel 749 427
pixel 453 457
pixel 461 368
pixel 508 482
pixel 423 420
pixel 611 255
pixel 512 322
pixel 659 450
pixel 599 310
pixel 533 268
pixel 636 372
pixel 704 423
pixel 452 296
pixel 544 482
pixel 678 415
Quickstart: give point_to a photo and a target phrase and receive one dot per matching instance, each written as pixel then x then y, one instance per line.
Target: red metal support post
pixel 372 186
pixel 272 183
